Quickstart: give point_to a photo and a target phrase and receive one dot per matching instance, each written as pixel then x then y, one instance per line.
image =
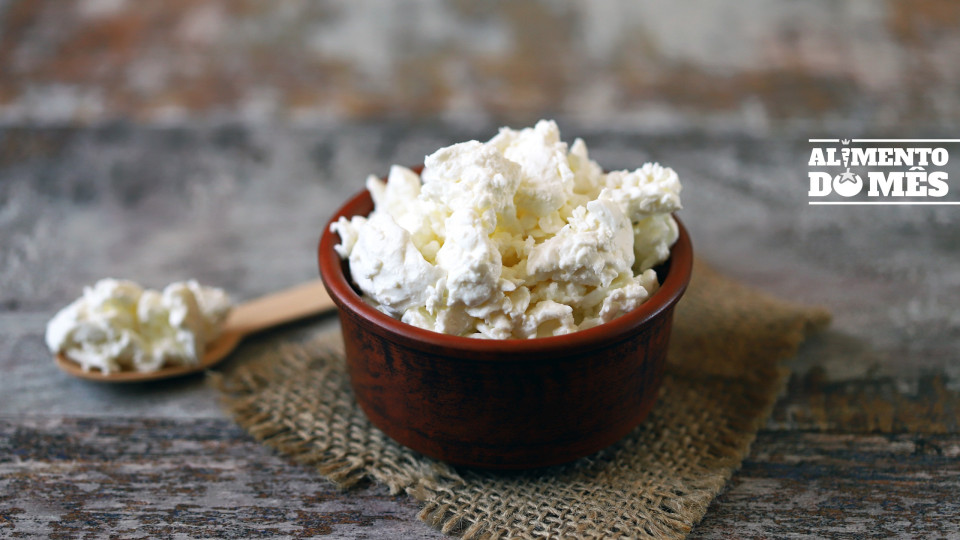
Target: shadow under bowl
pixel 504 404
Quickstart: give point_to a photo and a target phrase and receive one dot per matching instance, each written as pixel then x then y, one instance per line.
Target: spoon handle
pixel 278 308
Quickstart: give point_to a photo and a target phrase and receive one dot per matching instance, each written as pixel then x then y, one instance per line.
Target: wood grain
pixel 768 64
pixel 139 478
pixel 837 485
pixel 870 404
pixel 73 477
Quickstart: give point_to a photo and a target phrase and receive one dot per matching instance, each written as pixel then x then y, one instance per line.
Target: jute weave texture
pixel 722 379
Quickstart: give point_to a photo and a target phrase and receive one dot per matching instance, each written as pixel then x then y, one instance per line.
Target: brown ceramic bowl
pixel 504 404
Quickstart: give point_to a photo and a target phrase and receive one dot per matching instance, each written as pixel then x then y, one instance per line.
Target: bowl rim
pixel 620 328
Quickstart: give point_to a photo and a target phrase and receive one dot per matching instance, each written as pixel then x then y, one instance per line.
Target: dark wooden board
pixel 74 477
pixel 241 207
pixel 837 485
pixel 139 478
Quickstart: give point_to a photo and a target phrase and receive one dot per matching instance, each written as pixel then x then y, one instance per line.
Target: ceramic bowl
pixel 504 404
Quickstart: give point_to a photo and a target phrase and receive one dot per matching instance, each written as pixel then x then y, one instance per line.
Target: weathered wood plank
pixel 78 476
pixel 241 207
pixel 869 405
pixel 767 63
pixel 802 485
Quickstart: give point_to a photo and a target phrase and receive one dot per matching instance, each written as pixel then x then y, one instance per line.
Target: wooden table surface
pixel 864 443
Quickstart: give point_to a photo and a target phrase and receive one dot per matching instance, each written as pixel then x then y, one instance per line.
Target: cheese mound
pixel 118 325
pixel 518 237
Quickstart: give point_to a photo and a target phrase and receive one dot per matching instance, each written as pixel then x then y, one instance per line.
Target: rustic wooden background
pixel 751 64
pixel 161 140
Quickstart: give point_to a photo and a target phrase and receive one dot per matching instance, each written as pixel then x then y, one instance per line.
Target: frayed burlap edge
pixel 331 435
pixel 721 384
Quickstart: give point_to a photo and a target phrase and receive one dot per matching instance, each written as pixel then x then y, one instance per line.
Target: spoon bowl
pixel 244 319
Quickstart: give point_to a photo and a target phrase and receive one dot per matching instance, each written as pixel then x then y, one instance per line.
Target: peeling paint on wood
pixel 206 478
pixel 137 478
pixel 828 485
pixel 241 206
pixel 753 64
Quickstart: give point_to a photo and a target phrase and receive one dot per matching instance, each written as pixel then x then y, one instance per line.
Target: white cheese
pixel 117 325
pixel 517 237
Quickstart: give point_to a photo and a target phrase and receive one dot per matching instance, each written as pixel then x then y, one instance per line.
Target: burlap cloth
pixel 721 382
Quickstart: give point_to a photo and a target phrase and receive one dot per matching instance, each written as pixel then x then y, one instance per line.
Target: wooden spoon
pixel 244 319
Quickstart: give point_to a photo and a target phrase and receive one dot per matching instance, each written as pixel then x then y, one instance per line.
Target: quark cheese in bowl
pixel 518 237
pixel 117 325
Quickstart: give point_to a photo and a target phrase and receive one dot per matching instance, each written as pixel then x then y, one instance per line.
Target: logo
pixel 879 171
pixel 847 183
